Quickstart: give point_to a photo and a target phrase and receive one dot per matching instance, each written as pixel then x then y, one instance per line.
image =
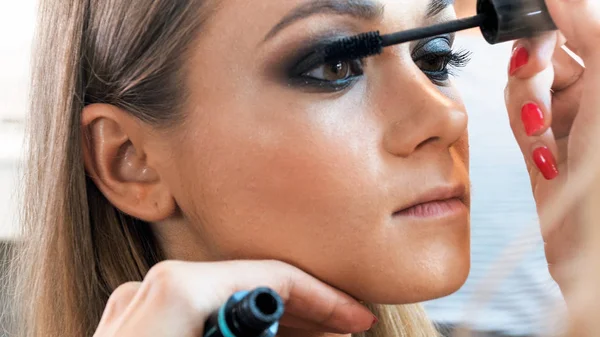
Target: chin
pixel 419 288
pixel 429 276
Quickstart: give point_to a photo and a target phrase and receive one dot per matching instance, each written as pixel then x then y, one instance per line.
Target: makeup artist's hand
pixel 554 106
pixel 176 298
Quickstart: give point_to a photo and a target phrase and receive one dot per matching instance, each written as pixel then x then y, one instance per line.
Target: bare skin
pixel 324 181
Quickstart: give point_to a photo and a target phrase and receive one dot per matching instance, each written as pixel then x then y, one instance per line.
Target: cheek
pixel 271 187
pixel 310 185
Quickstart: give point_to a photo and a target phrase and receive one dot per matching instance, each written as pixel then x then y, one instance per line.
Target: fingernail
pixel 375 321
pixel 533 118
pixel 519 58
pixel 545 162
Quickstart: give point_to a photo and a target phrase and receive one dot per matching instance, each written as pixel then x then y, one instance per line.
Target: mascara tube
pixel 247 314
pixel 507 20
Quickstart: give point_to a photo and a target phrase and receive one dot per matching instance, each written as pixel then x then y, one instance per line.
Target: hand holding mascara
pixel 188 298
pixel 554 108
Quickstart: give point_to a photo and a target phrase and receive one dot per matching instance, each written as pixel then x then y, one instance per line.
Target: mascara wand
pixel 499 21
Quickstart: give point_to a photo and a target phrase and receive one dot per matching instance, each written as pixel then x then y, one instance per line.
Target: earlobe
pixel 116 159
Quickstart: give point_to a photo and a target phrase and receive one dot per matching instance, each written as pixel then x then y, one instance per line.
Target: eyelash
pixel 355 67
pixel 450 60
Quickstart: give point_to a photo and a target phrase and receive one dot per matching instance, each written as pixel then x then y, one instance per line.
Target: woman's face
pixel 354 171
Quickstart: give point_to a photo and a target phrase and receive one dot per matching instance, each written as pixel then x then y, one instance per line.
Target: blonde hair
pixel 76 248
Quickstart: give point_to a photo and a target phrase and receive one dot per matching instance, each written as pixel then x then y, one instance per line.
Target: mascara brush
pixel 499 21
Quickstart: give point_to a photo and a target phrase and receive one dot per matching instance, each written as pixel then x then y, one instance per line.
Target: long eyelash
pixel 457 60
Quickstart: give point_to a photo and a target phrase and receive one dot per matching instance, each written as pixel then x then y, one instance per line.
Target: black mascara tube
pixel 507 20
pixel 247 314
pixel 499 21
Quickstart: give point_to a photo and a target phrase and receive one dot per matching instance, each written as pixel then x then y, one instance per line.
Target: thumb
pixel 579 22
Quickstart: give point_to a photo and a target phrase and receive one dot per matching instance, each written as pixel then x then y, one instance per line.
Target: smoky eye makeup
pixel 438 60
pixel 304 69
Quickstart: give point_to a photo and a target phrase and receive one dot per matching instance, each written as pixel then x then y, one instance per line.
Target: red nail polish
pixel 545 162
pixel 533 118
pixel 375 321
pixel 519 58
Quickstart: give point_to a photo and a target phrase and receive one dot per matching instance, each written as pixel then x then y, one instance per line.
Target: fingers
pixel 118 302
pixel 567 91
pixel 567 70
pixel 548 79
pixel 541 53
pixel 120 299
pixel 529 103
pixel 291 321
pixel 579 21
pixel 528 95
pixel 530 56
pixel 184 294
pixel 310 300
pixel 529 113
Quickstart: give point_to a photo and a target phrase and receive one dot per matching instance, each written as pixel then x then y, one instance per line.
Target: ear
pixel 114 149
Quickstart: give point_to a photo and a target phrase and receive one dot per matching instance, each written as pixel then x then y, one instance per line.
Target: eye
pixel 439 66
pixel 433 63
pixel 438 61
pixel 335 71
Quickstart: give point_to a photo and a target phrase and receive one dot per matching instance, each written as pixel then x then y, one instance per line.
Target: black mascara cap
pixel 508 20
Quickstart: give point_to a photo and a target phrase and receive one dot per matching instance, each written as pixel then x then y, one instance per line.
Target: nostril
pixel 428 141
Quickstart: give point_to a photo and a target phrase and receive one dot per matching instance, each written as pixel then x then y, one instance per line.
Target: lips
pixel 435 201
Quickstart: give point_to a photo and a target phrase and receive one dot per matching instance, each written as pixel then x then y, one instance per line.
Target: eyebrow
pixel 435 7
pixel 363 9
pixel 369 10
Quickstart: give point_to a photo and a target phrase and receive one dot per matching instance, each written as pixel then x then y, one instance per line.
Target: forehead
pixel 251 18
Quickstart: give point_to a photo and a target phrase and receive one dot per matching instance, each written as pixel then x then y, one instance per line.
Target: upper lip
pixel 438 194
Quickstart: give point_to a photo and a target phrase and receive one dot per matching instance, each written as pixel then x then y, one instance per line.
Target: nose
pixel 419 115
